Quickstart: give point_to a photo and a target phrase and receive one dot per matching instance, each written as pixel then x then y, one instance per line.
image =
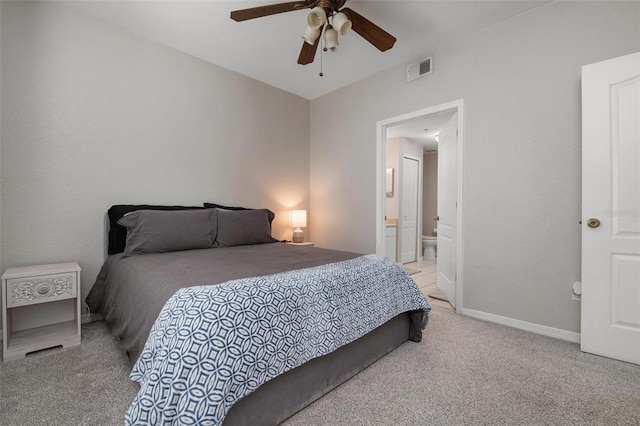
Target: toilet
pixel 429 244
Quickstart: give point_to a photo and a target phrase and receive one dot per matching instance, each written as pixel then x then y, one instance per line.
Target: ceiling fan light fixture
pixel 341 23
pixel 323 12
pixel 311 35
pixel 317 17
pixel 330 38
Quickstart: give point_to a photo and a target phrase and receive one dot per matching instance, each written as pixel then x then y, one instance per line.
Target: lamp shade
pixel 316 18
pixel 298 218
pixel 330 37
pixel 311 35
pixel 341 23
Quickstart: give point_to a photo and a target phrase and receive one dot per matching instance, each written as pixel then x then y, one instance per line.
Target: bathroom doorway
pixel 437 242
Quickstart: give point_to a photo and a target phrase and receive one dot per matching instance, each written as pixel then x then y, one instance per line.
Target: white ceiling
pixel 267 48
pixel 422 130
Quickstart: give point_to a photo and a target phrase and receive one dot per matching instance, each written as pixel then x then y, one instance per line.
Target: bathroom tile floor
pixel 427 280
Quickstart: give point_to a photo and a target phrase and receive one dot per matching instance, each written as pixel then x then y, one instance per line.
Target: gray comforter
pixel 131 291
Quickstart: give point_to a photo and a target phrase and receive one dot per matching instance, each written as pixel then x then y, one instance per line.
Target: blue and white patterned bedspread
pixel 212 345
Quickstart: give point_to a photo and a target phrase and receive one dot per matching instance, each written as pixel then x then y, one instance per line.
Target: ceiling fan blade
pixel 370 31
pixel 308 52
pixel 271 9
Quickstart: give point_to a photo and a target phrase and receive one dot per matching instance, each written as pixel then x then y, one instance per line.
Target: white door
pixel 447 215
pixel 611 208
pixel 409 240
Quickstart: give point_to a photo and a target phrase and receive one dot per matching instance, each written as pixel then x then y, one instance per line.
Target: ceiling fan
pixel 327 18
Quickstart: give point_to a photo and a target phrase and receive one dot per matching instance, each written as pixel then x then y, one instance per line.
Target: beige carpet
pixel 464 372
pixel 84 385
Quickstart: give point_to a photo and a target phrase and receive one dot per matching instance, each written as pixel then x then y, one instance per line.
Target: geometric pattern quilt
pixel 212 345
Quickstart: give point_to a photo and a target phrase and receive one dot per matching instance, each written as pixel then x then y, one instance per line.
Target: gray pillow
pixel 244 227
pixel 157 231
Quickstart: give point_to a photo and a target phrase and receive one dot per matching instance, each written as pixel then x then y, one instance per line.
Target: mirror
pixel 390 182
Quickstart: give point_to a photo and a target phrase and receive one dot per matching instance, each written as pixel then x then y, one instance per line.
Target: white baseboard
pixel 523 325
pixel 510 322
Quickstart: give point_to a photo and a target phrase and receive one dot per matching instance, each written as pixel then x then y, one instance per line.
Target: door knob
pixel 593 223
pixel 436 218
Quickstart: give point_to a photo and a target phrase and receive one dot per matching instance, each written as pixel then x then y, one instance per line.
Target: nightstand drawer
pixel 27 291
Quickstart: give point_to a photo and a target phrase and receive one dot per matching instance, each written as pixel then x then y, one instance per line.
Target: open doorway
pixel 416 226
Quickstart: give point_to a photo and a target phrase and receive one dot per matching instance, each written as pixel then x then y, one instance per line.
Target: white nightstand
pixel 302 244
pixel 40 308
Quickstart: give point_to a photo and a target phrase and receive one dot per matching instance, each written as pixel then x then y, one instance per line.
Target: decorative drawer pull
pixel 43 288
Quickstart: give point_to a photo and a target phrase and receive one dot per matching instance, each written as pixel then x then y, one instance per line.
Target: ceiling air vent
pixel 420 69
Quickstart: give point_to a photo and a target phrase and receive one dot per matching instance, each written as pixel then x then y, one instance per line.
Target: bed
pixel 224 324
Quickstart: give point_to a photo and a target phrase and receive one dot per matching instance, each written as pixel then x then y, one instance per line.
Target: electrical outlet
pixel 576 291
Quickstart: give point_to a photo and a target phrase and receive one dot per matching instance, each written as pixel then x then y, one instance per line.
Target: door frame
pixel 381 139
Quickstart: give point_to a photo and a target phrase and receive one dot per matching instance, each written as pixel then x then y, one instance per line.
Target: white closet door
pixel 410 175
pixel 611 208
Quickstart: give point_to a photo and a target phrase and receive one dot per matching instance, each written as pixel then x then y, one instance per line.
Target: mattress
pixel 133 294
pixel 131 291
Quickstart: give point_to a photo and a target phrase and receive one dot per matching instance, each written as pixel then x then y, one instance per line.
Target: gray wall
pixel 520 81
pixel 1 138
pixel 93 116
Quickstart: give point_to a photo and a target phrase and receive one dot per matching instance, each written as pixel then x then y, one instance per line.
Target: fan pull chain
pixel 321 50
